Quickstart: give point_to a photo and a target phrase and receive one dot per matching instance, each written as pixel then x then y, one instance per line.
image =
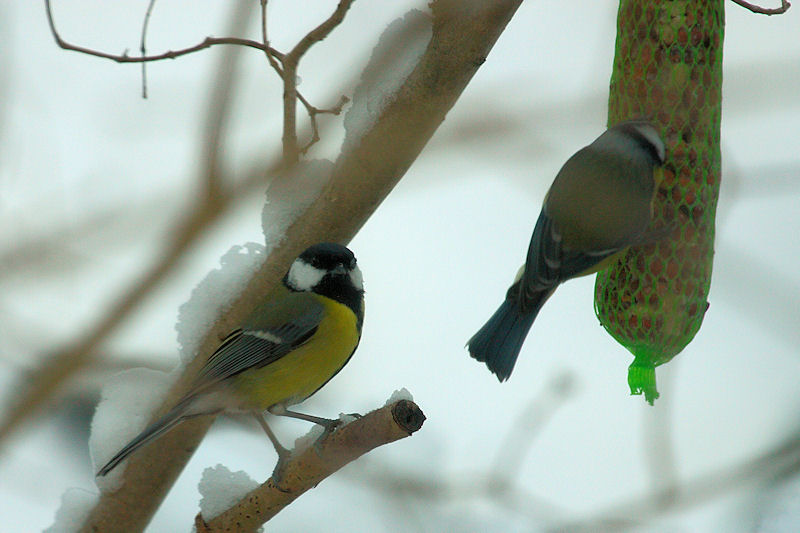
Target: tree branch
pixel 785 5
pixel 44 383
pixel 142 43
pixel 208 42
pixel 312 116
pixel 290 62
pixel 463 35
pixel 289 77
pixel 308 468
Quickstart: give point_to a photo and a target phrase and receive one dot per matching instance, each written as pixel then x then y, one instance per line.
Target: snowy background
pixel 92 179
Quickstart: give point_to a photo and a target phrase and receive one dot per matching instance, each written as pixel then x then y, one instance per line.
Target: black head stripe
pixel 326 255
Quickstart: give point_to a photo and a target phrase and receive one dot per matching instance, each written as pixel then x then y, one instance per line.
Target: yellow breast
pixel 300 373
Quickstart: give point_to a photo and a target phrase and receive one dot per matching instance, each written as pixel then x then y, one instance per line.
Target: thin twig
pixel 208 42
pixel 319 33
pixel 271 56
pixel 310 109
pixel 312 115
pixel 290 62
pixel 291 95
pixel 143 47
pixel 785 5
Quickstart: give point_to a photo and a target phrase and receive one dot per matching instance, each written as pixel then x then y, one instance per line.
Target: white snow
pixel 398 395
pixel 346 418
pixel 290 194
pixel 75 507
pixel 214 295
pixel 220 489
pixel 307 440
pixel 316 431
pixel 125 408
pixel 387 69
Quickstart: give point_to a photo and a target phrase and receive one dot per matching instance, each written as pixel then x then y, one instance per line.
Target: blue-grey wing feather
pixel 256 347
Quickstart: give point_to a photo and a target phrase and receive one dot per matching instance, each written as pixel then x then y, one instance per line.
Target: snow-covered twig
pixel 307 468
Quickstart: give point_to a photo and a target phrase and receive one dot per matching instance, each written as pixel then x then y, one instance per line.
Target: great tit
pixel 599 204
pixel 288 348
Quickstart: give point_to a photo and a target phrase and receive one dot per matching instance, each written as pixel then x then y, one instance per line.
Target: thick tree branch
pixel 463 35
pixel 308 468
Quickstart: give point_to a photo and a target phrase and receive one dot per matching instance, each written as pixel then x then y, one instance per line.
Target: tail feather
pixel 499 341
pixel 176 415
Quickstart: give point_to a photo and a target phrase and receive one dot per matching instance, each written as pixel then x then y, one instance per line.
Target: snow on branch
pixel 307 468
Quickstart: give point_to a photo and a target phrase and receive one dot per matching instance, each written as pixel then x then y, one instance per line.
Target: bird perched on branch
pixel 288 348
pixel 599 204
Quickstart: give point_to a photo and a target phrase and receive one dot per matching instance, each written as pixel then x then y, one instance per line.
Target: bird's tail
pixel 175 415
pixel 499 341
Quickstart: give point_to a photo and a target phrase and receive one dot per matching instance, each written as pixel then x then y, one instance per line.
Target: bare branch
pixel 310 109
pixel 289 77
pixel 273 54
pixel 143 47
pixel 785 5
pixel 208 42
pixel 312 115
pixel 319 33
pixel 308 468
pixel 290 62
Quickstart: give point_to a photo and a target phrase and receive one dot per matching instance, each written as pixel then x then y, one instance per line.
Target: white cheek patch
pixel 356 279
pixel 653 138
pixel 303 277
pixel 266 335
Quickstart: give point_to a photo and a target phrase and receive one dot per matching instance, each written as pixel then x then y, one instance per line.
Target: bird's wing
pixel 600 201
pixel 548 263
pixel 279 328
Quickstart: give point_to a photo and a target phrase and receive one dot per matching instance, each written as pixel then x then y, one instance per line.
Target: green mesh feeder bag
pixel 668 68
